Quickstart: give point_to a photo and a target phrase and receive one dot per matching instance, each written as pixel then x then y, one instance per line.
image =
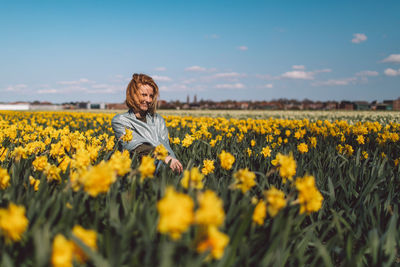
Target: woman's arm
pixel 175 164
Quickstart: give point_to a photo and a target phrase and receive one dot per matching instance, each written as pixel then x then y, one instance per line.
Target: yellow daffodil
pixel 226 159
pixel 13 222
pixel 147 168
pixel 176 213
pixel 4 178
pixel 244 180
pixel 192 178
pixel 310 198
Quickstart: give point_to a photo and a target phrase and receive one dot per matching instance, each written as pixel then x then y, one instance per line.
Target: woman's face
pixel 145 97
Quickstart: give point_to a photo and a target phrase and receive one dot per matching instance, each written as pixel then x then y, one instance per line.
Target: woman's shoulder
pixel 119 117
pixel 158 117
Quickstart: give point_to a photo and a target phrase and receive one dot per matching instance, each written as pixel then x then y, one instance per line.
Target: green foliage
pixel 357 225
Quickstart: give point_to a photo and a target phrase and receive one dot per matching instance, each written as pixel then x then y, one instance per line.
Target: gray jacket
pixel 154 132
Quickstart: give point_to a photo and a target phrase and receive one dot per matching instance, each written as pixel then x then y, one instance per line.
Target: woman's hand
pixel 175 164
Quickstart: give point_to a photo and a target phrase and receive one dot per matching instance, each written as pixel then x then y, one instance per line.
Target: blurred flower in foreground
pixel 208 167
pixel 62 252
pixel 192 178
pixel 286 166
pixel 98 179
pixel 244 180
pixel 161 152
pixel 310 198
pixel 276 201
pixel 127 136
pixel 260 212
pixel 121 162
pixel 4 178
pixel 147 167
pixel 88 237
pixel 214 241
pixel 13 222
pixel 176 213
pixel 211 210
pixel 227 160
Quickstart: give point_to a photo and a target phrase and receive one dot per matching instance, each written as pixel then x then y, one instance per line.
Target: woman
pixel 148 128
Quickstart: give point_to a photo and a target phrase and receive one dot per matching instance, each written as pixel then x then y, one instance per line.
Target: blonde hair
pixel 132 92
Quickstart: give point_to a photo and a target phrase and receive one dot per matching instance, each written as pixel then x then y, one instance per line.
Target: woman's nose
pixel 148 98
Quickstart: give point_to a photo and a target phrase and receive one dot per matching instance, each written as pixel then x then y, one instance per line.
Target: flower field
pixel 255 192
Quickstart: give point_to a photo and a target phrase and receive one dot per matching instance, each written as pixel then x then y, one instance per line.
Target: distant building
pixel 15 106
pixel 116 106
pixel 361 105
pixel 244 105
pixel 389 104
pixel 383 106
pixel 101 105
pixel 36 105
pixel 396 104
pixel 330 105
pixel 346 105
pixel 83 105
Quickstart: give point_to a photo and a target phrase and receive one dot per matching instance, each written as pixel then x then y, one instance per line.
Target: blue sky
pixel 62 51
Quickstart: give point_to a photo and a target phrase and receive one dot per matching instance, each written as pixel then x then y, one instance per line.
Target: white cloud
pixel 243 48
pixel 80 81
pixel 298 74
pixel 228 75
pixel 268 85
pixel 16 88
pixel 47 91
pixel 196 69
pixel 367 73
pixel 302 74
pixel 160 69
pixel 335 82
pixel 230 86
pixel 359 38
pixel 392 72
pixel 161 78
pixel 393 58
pixel 298 67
